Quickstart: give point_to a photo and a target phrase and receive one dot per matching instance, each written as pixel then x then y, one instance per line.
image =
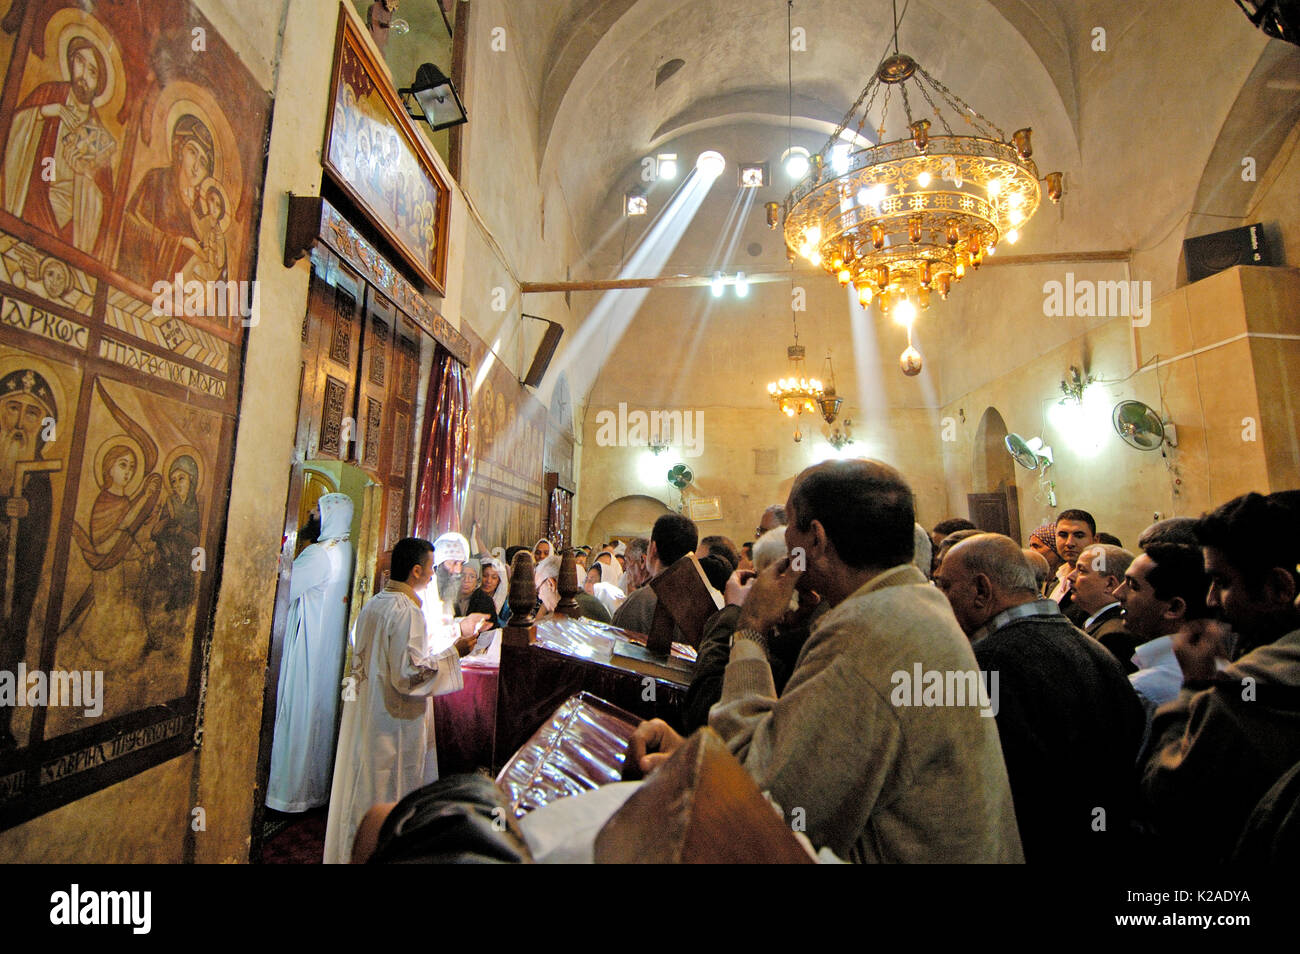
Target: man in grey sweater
pixel 854 754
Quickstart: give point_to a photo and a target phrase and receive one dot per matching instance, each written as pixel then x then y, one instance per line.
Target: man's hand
pixel 737 588
pixel 1198 644
pixel 653 743
pixel 768 598
pixel 472 624
pixel 470 627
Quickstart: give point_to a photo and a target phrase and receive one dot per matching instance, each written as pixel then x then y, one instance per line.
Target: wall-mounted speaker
pixel 1207 254
pixel 545 351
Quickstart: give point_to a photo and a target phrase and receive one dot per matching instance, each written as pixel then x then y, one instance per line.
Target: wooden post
pixel 567 585
pixel 519 629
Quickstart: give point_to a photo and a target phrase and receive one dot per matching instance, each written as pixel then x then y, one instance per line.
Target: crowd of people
pixel 1146 706
pixel 946 695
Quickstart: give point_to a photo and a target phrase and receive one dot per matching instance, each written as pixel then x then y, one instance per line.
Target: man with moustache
pixel 1076 530
pixel 26 503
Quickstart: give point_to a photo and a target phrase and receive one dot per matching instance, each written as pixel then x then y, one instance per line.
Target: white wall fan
pixel 1033 454
pixel 1030 454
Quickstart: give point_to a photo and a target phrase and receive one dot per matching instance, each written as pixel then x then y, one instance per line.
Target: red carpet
pixel 297 839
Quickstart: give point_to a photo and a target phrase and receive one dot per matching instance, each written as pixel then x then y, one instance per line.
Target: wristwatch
pixel 751 634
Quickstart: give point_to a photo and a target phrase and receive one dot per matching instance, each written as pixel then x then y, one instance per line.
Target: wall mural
pixel 507 431
pixel 131 164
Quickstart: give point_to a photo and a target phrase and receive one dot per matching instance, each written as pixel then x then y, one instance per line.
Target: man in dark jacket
pixel 1069 721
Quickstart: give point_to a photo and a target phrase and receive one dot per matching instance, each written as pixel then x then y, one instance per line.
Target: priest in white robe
pixel 302 749
pixel 386 740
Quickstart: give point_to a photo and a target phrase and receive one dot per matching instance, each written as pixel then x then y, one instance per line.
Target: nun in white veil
pixel 607 591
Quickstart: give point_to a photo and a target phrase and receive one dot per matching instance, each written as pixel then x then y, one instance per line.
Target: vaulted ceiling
pixel 1111 119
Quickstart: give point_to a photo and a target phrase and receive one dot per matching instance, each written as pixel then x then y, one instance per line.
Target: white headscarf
pixel 503 588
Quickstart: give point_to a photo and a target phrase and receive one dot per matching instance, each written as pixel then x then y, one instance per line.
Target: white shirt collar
pixel 1157 652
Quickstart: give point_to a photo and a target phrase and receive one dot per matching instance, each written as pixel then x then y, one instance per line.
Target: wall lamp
pixel 433 98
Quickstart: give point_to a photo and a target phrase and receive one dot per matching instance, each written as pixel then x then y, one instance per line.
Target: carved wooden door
pixel 331 348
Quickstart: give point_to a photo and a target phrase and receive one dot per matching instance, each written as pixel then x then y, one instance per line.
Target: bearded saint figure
pixel 57 173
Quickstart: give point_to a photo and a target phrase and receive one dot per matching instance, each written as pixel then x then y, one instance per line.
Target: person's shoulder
pixel 638 600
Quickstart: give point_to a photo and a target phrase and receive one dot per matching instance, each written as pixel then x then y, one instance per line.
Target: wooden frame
pixel 404 196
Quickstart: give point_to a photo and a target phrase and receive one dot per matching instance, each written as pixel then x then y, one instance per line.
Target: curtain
pixel 445 464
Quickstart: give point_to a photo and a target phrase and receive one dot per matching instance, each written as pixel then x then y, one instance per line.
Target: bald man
pixel 1069 721
pixel 1038 563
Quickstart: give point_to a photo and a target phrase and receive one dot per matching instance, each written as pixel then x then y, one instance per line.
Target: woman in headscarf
pixel 605 588
pixel 490 597
pixel 541 550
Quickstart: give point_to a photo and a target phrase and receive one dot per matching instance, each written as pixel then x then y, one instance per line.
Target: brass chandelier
pixel 911 216
pixel 797 392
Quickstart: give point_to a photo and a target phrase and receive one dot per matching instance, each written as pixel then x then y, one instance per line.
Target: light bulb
pixel 995 188
pixel 718 285
pixel 742 285
pixel 923 179
pixel 905 313
pixel 710 164
pixel 1013 236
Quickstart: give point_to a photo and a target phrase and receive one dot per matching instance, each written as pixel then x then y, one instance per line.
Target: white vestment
pixel 386 741
pixel 302 748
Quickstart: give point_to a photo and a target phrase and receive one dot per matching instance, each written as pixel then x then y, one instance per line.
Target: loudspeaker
pixel 1207 254
pixel 545 351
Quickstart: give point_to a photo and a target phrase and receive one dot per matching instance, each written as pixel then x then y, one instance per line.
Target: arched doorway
pixel 993 501
pixel 626 517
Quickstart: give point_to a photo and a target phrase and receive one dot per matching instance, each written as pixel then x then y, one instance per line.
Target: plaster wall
pixel 1229 395
pixel 749 460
